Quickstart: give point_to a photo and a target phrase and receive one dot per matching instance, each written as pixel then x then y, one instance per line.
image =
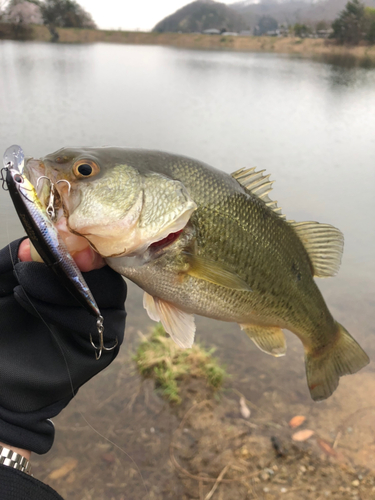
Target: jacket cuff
pixel 31 430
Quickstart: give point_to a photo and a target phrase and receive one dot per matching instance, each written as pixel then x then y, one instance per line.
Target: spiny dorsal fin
pixel 257 184
pixel 324 244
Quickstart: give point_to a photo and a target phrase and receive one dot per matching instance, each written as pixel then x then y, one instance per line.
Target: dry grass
pixel 308 47
pixel 161 359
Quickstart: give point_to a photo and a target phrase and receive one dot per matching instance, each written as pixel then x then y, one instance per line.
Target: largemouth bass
pixel 199 241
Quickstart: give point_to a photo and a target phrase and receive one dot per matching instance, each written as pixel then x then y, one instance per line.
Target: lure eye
pixel 18 178
pixel 85 168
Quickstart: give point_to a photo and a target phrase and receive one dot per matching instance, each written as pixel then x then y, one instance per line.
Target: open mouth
pixel 168 240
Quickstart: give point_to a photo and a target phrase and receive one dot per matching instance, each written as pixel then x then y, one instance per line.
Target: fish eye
pixel 18 178
pixel 85 168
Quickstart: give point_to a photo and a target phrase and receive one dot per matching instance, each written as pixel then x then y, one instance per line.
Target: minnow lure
pixel 50 246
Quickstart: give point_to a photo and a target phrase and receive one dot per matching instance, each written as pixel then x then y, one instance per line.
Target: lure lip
pixel 15 158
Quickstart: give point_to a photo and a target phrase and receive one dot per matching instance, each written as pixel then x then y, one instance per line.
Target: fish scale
pixel 211 244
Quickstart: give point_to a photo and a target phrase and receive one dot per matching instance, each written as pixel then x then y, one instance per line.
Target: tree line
pixel 53 13
pixel 356 23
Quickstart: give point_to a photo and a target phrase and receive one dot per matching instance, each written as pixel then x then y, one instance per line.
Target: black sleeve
pixel 45 349
pixel 16 485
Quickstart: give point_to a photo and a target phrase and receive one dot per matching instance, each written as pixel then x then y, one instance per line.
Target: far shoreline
pixel 316 48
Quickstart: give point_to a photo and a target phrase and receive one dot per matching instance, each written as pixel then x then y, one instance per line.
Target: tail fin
pixel 323 370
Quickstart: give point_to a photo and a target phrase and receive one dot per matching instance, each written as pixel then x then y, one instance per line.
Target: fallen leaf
pixel 64 470
pixel 297 421
pixel 326 447
pixel 302 435
pixel 244 409
pixel 109 457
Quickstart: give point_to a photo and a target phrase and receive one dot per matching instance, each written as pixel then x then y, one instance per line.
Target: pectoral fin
pixel 179 325
pixel 269 339
pixel 214 272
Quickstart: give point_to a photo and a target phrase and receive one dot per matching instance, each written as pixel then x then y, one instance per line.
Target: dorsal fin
pixel 324 244
pixel 257 184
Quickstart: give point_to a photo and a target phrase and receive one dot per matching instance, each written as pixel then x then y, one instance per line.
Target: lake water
pixel 311 125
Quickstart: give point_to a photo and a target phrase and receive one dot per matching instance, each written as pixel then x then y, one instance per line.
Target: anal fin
pixel 179 324
pixel 269 339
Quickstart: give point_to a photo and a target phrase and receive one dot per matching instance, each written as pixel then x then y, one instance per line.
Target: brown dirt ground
pixel 204 448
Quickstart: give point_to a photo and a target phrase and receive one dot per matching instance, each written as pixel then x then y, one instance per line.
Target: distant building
pixel 245 33
pixel 284 31
pixel 324 33
pixel 211 32
pixel 272 33
pixel 229 33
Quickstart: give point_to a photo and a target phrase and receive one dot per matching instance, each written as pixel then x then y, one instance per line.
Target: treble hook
pixel 69 185
pixel 43 177
pixel 99 350
pixel 3 176
pixel 51 201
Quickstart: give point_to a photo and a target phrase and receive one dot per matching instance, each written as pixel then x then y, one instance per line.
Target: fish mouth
pixel 165 242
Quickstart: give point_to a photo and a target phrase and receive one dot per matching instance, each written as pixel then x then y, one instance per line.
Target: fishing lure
pixel 48 243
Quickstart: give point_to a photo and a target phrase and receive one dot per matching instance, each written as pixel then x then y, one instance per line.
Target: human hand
pixel 86 259
pixel 45 349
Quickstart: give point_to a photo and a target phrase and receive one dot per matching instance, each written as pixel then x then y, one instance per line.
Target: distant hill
pixel 202 15
pixel 291 12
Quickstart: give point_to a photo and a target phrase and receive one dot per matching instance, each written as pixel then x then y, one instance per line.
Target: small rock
pixel 275 468
pixel 266 490
pixel 269 471
pixel 283 490
pixel 349 429
pixel 256 480
pixel 311 468
pixel 354 493
pixel 264 476
pixel 303 468
pixel 355 482
pixel 245 453
pixel 244 409
pixel 152 430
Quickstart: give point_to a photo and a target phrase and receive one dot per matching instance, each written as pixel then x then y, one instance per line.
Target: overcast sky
pixel 132 14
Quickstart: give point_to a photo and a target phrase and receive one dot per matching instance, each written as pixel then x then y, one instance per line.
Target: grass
pixel 160 358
